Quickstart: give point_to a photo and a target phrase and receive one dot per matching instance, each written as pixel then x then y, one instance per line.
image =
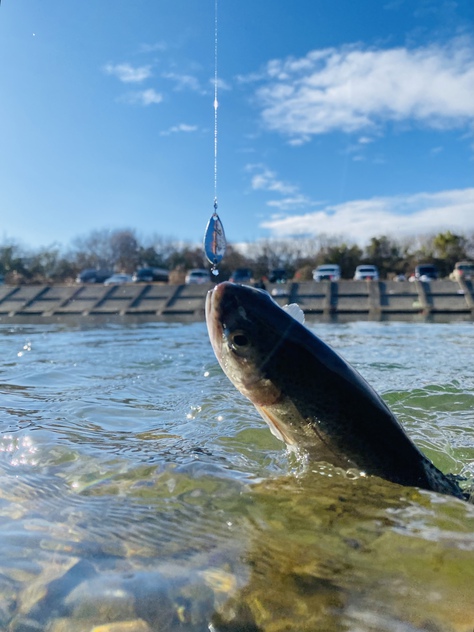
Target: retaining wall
pixel 343 300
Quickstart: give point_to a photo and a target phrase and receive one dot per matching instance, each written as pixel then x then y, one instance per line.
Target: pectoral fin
pixel 276 427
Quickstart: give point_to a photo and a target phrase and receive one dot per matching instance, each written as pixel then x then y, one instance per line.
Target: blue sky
pixel 336 118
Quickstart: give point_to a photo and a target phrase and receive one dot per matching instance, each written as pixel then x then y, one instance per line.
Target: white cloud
pixel 356 89
pixel 152 48
pixel 128 73
pixel 293 202
pixel 176 129
pixel 399 216
pixel 143 97
pixel 183 82
pixel 266 180
pixel 221 84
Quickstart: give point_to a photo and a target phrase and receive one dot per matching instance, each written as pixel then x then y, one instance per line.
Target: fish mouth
pixel 217 302
pixel 213 300
pixel 213 317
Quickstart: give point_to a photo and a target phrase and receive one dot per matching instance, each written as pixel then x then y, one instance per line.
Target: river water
pixel 139 491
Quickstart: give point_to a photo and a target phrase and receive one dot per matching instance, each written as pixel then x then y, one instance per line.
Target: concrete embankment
pixel 345 300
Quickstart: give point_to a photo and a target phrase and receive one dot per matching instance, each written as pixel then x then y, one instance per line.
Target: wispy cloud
pixel 221 84
pixel 181 128
pixel 184 81
pixel 143 97
pixel 399 216
pixel 127 73
pixel 359 89
pixel 292 203
pixel 365 140
pixel 153 48
pixel 264 179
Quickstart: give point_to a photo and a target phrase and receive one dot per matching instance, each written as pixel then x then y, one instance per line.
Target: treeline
pixel 123 251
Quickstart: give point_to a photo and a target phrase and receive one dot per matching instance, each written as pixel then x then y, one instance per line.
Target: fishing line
pixel 216 105
pixel 214 237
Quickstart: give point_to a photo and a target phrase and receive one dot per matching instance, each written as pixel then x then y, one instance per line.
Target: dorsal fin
pixel 295 310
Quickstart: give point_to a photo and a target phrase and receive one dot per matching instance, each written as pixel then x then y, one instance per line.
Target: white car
pixel 198 276
pixel 327 272
pixel 366 273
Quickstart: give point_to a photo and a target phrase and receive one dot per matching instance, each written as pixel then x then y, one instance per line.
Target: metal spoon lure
pixel 214 241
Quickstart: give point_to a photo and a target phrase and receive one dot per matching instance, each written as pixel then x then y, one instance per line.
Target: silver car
pixel 198 276
pixel 118 279
pixel 462 270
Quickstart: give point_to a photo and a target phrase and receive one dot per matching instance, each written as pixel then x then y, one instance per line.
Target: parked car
pixel 198 276
pixel 118 279
pixel 148 275
pixel 399 278
pixel 92 275
pixel 425 272
pixel 278 275
pixel 327 272
pixel 366 273
pixel 241 275
pixel 462 270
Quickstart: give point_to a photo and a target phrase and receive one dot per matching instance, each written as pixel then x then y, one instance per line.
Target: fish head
pixel 247 329
pixel 241 338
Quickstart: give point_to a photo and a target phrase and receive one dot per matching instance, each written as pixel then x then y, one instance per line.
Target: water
pixel 139 491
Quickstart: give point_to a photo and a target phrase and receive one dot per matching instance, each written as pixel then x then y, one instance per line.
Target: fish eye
pixel 239 341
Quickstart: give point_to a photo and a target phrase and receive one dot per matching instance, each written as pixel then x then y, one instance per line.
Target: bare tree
pixel 125 250
pixel 93 250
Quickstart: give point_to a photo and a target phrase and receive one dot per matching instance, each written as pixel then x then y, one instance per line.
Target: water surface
pixel 140 491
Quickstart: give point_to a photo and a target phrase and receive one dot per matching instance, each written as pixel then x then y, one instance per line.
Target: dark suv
pixel 242 275
pixel 91 275
pixel 426 272
pixel 148 275
pixel 278 275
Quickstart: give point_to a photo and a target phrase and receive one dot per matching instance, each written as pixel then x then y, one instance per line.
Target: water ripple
pixel 126 453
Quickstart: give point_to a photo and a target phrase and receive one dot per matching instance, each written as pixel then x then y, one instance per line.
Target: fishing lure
pixel 214 241
pixel 214 237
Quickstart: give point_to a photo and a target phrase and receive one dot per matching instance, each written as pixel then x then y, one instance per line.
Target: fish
pixel 309 395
